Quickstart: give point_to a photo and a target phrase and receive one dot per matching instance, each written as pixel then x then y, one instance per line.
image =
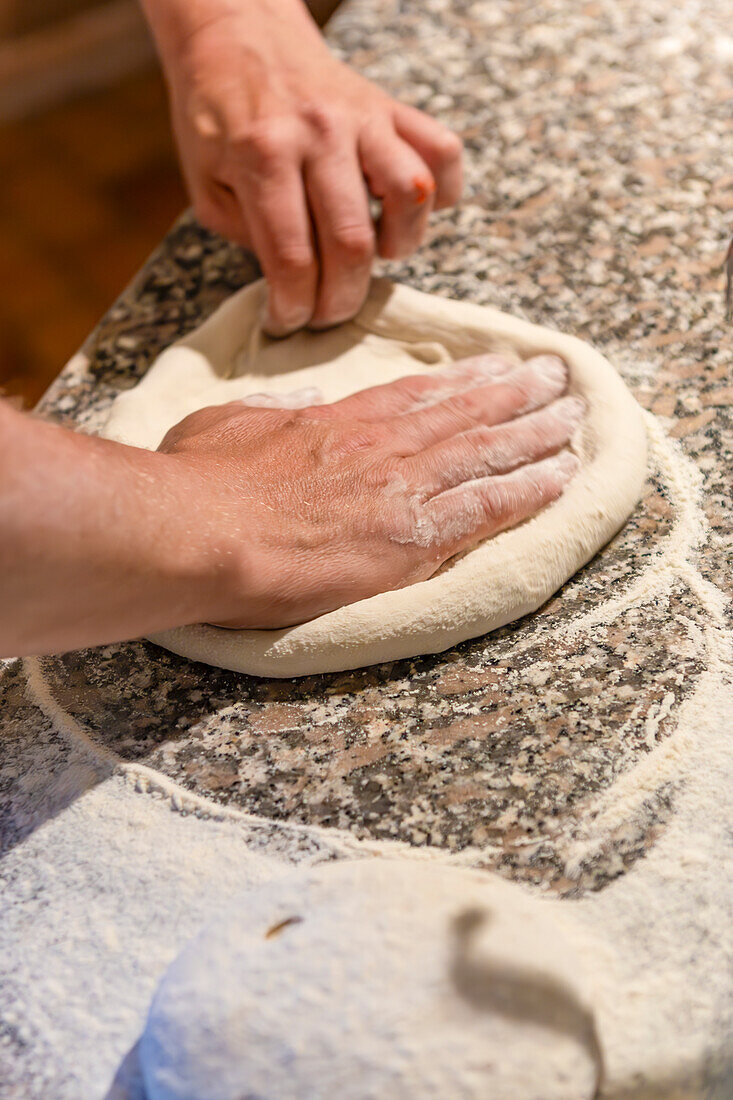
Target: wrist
pixel 184 535
pixel 204 555
pixel 174 23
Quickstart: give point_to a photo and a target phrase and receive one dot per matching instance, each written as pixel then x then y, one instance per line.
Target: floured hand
pixel 319 507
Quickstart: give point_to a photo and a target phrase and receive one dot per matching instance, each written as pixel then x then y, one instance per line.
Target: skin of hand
pixel 263 517
pixel 282 147
pixel 336 503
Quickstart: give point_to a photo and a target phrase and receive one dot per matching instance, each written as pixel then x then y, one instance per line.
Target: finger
pixel 416 391
pixel 339 203
pixel 481 509
pixel 398 176
pixel 216 207
pixel 439 147
pixel 487 452
pixel 529 386
pixel 272 196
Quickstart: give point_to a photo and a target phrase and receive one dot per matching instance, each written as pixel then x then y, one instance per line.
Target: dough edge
pixel 497 582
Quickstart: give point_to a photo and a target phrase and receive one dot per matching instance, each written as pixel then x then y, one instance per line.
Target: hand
pixel 264 517
pixel 327 505
pixel 282 146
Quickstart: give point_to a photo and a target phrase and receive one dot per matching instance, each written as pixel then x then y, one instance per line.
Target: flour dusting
pixel 158 861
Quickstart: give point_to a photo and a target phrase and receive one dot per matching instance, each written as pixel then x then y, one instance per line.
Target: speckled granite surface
pixel 584 751
pixel 600 190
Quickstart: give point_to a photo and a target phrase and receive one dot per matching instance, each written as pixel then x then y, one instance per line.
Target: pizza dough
pixel 377 979
pixel 399 331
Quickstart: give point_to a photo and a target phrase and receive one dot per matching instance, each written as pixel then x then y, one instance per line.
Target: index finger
pixel 276 209
pixel 415 391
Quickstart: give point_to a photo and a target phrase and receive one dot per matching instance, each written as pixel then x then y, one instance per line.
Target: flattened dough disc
pixel 399 331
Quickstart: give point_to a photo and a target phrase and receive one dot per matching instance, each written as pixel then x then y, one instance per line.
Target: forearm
pixel 98 542
pixel 174 22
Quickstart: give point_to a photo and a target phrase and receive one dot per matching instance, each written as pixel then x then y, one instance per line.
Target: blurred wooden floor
pixel 86 192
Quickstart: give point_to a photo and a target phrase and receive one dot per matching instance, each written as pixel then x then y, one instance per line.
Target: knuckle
pixel 341 441
pixel 491 452
pixel 264 146
pixel 354 243
pixel 366 437
pixel 324 119
pixel 399 501
pixel 407 525
pixel 480 442
pixel 469 404
pixel 292 260
pixel 495 504
pixel 386 470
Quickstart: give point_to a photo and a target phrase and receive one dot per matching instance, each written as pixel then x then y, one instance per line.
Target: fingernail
pixel 424 188
pixel 550 367
pixel 279 320
pixel 345 306
pixel 573 409
pixel 566 464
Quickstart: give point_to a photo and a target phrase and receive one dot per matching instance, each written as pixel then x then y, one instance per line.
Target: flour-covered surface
pixel 585 752
pixel 406 990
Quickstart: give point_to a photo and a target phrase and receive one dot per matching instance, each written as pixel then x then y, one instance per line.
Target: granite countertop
pixel 599 142
pixel 600 185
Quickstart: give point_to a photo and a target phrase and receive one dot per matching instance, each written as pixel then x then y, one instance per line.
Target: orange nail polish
pixel 423 189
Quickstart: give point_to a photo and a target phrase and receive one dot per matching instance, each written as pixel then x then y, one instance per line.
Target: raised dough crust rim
pixel 498 581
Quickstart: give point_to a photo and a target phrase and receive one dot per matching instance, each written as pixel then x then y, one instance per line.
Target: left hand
pixel 311 509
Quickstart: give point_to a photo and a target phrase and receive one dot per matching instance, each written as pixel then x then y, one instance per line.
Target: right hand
pixel 282 146
pixel 320 507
